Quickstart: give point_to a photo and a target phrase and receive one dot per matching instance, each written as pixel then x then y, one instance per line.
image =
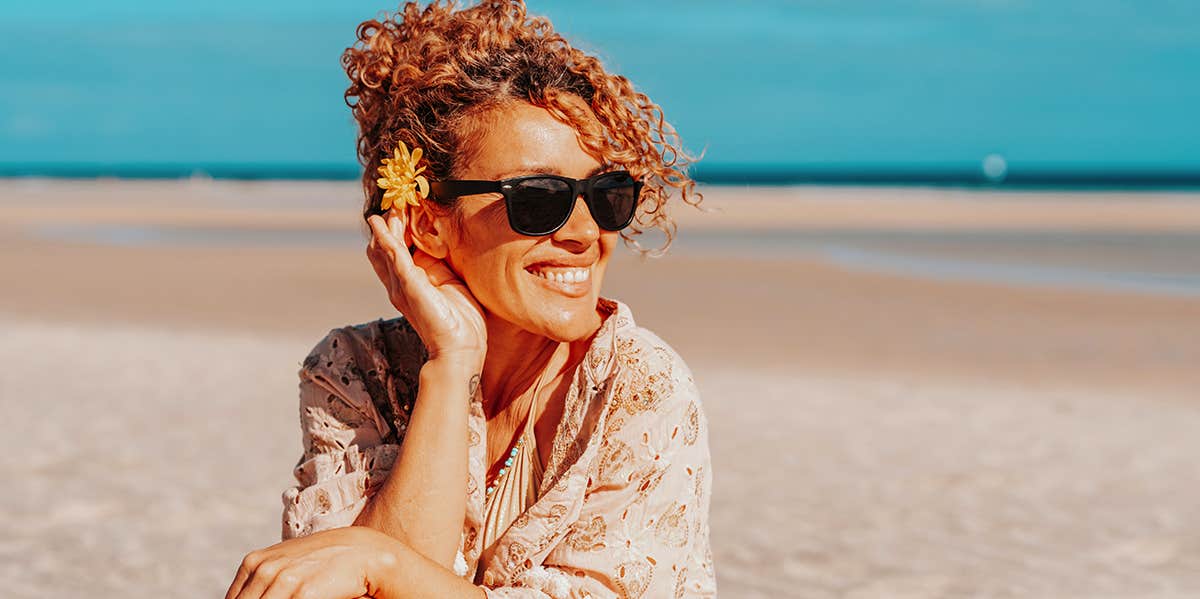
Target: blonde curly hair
pixel 421 75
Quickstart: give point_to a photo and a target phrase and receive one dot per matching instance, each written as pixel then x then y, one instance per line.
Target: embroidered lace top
pixel 623 503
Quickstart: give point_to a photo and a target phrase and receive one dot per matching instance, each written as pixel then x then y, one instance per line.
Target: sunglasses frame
pixel 454 188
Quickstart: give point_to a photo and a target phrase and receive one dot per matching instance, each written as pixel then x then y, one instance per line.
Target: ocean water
pixel 1065 91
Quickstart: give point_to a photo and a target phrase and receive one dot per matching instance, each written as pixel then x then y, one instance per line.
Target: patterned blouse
pixel 623 506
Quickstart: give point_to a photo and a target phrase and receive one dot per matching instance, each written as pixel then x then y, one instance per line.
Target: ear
pixel 429 226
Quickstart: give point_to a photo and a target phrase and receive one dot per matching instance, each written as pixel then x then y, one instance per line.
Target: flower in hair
pixel 401 179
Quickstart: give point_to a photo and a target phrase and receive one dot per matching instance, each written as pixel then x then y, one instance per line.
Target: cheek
pixel 609 240
pixel 484 269
pixel 475 240
pixel 487 257
pixel 491 260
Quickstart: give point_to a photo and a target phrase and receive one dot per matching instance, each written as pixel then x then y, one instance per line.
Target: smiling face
pixel 546 285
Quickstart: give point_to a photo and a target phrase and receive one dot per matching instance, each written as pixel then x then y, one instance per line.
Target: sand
pixel 875 432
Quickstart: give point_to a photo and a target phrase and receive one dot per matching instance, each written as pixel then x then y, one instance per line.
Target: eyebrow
pixel 540 169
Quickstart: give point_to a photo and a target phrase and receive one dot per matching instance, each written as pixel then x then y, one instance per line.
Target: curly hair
pixel 421 75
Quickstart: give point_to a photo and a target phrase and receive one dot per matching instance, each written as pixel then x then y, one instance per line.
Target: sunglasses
pixel 541 204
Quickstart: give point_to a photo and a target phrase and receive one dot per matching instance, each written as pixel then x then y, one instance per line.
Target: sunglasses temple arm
pixel 454 189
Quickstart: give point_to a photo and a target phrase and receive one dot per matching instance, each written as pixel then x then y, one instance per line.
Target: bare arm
pixel 345 562
pixel 423 502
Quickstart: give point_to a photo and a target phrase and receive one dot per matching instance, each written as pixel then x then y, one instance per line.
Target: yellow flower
pixel 402 181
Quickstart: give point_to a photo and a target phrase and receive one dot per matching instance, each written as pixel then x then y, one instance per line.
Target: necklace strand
pixel 512 455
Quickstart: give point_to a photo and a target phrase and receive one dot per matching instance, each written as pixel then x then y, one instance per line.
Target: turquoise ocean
pixel 1060 93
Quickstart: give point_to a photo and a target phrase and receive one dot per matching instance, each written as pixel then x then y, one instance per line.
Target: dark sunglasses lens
pixel 538 206
pixel 615 199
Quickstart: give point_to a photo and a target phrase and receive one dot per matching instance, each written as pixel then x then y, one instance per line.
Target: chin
pixel 565 321
pixel 560 303
pixel 575 327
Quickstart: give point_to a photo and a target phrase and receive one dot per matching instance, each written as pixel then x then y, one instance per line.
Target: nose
pixel 581 228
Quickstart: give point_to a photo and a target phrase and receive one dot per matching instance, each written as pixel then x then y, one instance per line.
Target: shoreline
pixel 943 284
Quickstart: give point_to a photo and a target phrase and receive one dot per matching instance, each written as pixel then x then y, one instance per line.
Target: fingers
pixel 386 245
pixel 381 264
pixel 409 287
pixel 276 579
pixel 247 567
pixel 397 224
pixel 261 578
pixel 425 289
pixel 284 578
pixel 285 586
pixel 398 221
pixel 438 271
pixel 424 260
pixel 386 241
pixel 314 584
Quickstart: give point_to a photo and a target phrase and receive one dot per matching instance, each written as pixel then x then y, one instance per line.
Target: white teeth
pixel 571 275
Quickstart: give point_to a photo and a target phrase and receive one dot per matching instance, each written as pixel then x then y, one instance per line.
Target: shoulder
pixel 372 367
pixel 640 350
pixel 372 348
pixel 651 380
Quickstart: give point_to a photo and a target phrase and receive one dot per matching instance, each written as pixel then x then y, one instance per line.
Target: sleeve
pixel 345 455
pixel 643 530
pixel 349 449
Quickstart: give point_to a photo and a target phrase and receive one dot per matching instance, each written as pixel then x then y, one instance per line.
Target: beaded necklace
pixel 512 455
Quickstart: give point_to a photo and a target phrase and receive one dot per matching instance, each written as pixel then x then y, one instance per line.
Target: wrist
pixel 471 360
pixel 386 567
pixel 450 372
pixel 399 571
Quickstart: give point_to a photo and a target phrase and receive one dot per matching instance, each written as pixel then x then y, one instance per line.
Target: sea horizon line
pixel 954 175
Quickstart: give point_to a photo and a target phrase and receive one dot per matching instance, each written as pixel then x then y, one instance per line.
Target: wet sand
pixel 876 431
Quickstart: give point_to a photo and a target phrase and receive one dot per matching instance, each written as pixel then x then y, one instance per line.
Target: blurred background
pixel 1066 92
pixel 943 304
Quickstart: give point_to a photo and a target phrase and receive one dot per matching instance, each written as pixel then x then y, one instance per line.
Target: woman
pixel 515 434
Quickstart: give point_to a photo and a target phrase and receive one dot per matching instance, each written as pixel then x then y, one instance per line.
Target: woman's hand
pixel 341 563
pixel 437 304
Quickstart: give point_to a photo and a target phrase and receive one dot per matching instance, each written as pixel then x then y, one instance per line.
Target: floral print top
pixel 624 501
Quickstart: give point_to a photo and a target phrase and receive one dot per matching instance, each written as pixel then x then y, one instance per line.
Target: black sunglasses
pixel 541 204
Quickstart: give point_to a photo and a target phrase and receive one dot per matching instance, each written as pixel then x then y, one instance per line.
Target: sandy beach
pixel 912 392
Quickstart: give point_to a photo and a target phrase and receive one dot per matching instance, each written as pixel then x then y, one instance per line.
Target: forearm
pixel 409 575
pixel 423 501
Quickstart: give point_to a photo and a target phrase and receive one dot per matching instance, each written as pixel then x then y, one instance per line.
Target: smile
pixel 572 282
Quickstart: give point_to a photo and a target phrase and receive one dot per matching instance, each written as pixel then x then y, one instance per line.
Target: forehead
pixel 519 139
